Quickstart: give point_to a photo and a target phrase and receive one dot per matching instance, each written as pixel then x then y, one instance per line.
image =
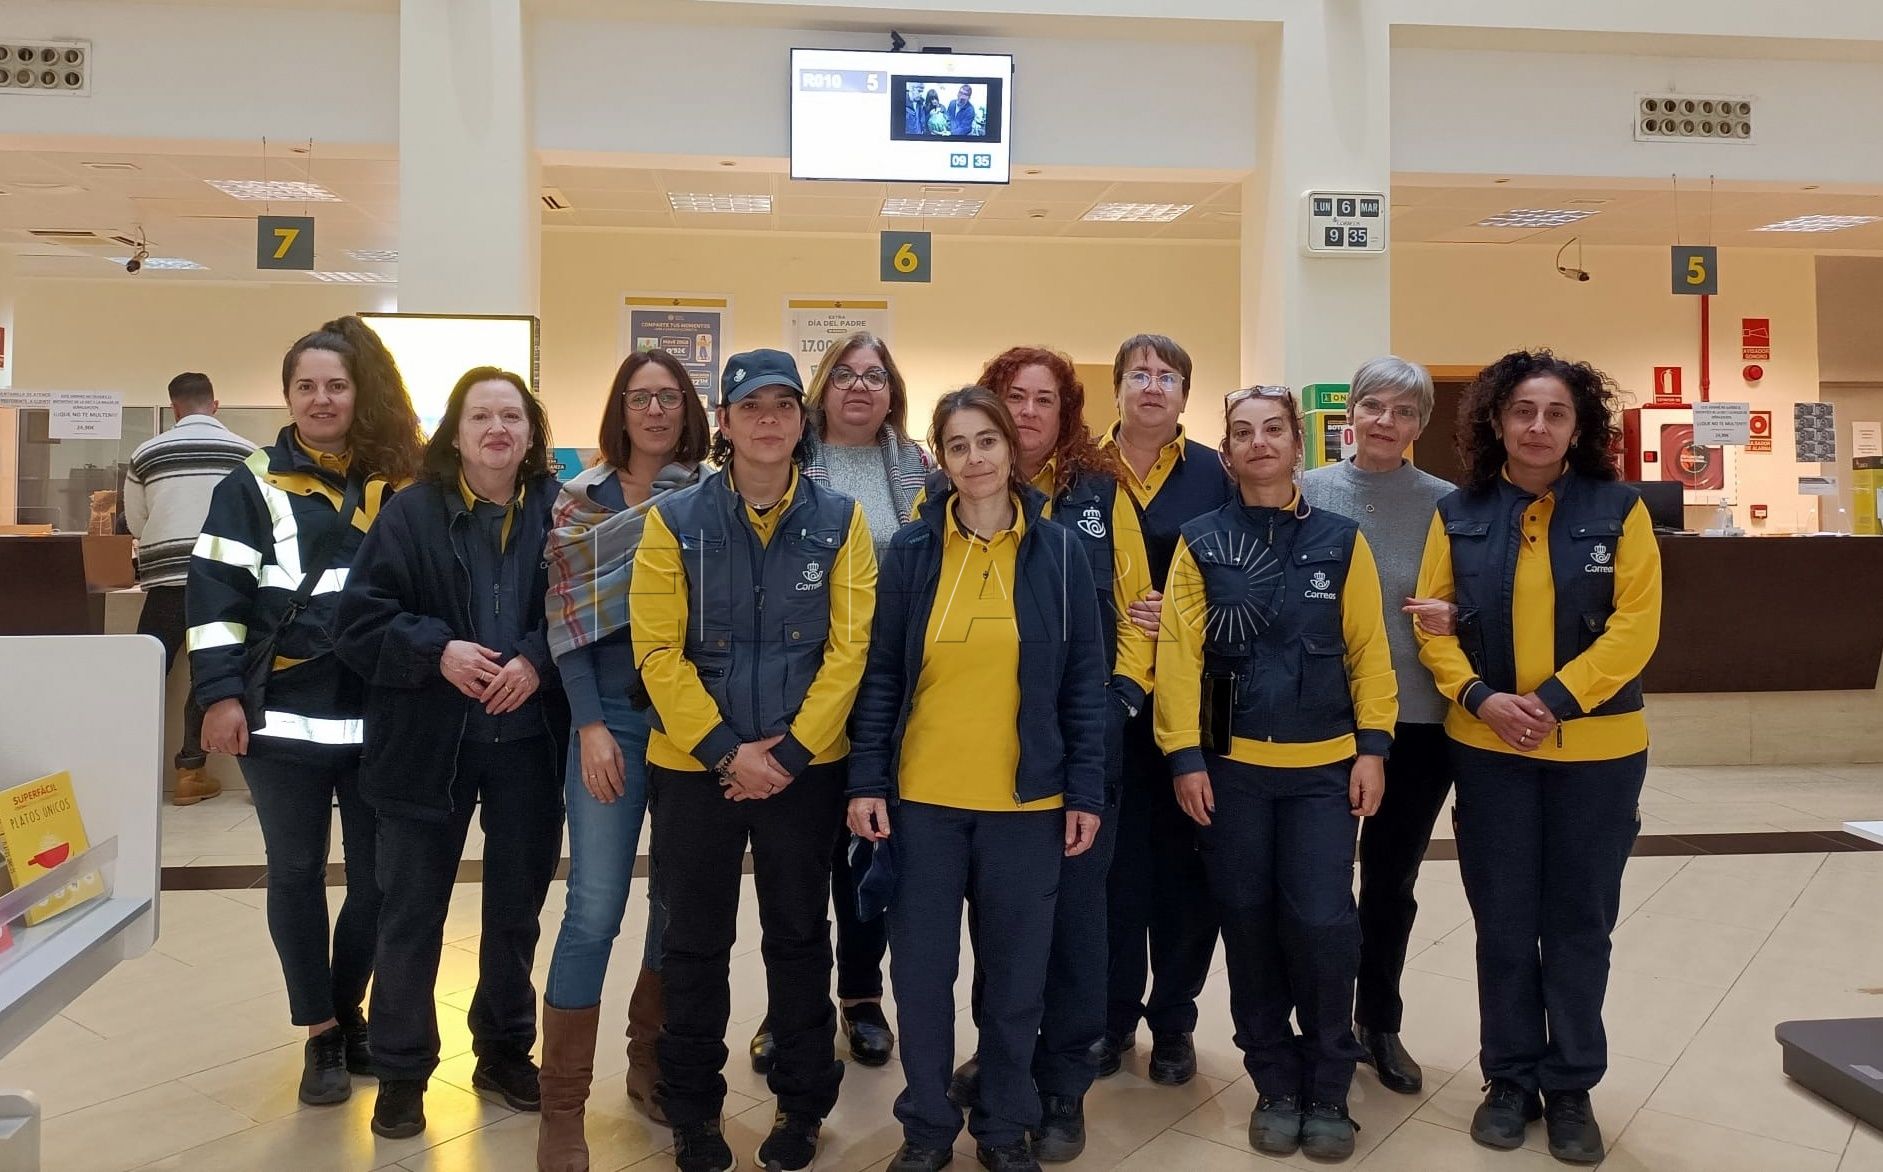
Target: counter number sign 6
pixel 905 257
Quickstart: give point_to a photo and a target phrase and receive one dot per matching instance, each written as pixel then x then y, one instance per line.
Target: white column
pixel 469 208
pixel 1324 89
pixel 9 294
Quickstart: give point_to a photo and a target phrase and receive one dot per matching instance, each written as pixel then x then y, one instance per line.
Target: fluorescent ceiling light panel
pixel 375 255
pixel 1536 218
pixel 695 201
pixel 354 278
pixel 1137 213
pixel 286 190
pixel 159 262
pixel 1817 223
pixel 934 209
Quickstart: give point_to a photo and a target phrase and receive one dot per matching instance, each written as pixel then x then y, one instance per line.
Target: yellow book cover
pixel 40 828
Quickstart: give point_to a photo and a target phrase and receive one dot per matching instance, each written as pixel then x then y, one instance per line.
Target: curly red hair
pixel 1075 453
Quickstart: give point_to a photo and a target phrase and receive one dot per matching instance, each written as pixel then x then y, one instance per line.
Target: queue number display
pixel 834 80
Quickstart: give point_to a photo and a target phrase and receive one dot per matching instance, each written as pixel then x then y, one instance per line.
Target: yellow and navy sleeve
pixel 1131 581
pixel 1178 713
pixel 237 540
pixel 1443 655
pixel 658 607
pixel 826 708
pixel 1370 678
pixel 1621 652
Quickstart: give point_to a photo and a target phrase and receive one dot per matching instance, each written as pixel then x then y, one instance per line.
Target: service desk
pixel 1770 651
pixel 56 584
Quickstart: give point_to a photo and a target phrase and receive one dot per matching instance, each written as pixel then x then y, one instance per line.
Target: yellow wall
pixel 1079 297
pixel 1468 304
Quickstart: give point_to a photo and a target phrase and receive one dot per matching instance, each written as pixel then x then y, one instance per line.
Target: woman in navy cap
pixel 750 610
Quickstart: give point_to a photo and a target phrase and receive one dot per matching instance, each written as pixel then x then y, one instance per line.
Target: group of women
pixel 1101 697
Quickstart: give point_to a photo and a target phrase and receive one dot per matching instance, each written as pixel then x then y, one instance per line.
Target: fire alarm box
pixel 1658 444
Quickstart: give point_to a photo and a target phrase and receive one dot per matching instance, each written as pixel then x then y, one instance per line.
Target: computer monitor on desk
pixel 1666 502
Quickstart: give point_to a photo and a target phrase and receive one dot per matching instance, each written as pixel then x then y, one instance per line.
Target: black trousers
pixel 1280 854
pixel 1073 1017
pixel 699 844
pixel 1392 845
pixel 1158 895
pixel 162 618
pixel 861 944
pixel 294 803
pixel 1010 861
pixel 1541 847
pixel 521 795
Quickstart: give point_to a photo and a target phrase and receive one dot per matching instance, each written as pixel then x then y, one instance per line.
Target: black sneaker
pixel 399 1113
pixel 867 1030
pixel 1327 1131
pixel 1110 1052
pixel 792 1145
pixel 1500 1119
pixel 1061 1135
pixel 964 1089
pixel 699 1147
pixel 359 1046
pixel 1013 1157
pixel 1575 1137
pixel 324 1078
pixel 1275 1125
pixel 1173 1059
pixel 914 1158
pixel 764 1049
pixel 511 1076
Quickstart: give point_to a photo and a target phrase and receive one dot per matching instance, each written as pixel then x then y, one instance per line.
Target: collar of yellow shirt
pixel 955 530
pixel 509 509
pixel 337 464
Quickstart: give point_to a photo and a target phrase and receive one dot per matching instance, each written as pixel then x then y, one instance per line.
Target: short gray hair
pixel 1392 375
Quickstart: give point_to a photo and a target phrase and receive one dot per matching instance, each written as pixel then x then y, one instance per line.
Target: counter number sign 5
pixel 1696 270
pixel 905 258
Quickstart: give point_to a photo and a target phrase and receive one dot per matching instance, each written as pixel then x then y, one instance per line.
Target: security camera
pixel 1572 274
pixel 136 263
pixel 896 42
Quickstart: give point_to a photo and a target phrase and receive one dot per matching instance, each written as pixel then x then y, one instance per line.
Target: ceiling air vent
pixel 62 68
pixel 1692 118
pixel 555 201
pixel 81 238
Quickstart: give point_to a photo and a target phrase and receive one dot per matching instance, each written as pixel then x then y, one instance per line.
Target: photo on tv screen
pixel 938 108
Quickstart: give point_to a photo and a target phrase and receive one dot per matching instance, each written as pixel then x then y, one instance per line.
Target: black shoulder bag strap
pixel 258 660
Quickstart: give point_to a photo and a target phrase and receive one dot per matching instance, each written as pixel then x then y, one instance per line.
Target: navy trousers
pixel 1541 847
pixel 1280 855
pixel 1392 845
pixel 1010 861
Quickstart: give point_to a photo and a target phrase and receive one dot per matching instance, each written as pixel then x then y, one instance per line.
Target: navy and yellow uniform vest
pixel 1484 532
pixel 758 618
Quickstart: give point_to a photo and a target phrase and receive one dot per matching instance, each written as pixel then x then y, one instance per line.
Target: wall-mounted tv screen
pixel 900 117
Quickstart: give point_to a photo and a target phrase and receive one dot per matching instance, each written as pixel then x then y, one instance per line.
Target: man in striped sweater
pixel 166 497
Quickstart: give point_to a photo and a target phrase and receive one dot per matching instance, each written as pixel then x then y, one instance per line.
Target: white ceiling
pixel 165 198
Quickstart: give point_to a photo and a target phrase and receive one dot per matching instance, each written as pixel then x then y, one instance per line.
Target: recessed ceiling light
pixel 354 278
pixel 1137 213
pixel 1817 223
pixel 110 166
pixel 376 255
pixel 934 209
pixel 1536 218
pixel 158 262
pixel 286 190
pixel 694 201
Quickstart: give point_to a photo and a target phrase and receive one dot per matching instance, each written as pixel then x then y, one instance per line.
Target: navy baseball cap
pixel 756 369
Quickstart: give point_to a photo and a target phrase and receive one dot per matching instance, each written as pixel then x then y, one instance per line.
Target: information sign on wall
pixel 692 328
pixel 814 324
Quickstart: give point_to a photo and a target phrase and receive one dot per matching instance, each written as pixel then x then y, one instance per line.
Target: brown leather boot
pixel 568 1068
pixel 647 1012
pixel 193 786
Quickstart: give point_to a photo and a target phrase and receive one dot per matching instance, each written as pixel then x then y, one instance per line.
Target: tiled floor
pixel 184 1060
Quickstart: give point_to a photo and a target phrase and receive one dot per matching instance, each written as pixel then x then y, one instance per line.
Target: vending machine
pixel 1324 423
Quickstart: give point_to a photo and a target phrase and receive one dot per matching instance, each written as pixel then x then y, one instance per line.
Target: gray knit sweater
pixel 1394 510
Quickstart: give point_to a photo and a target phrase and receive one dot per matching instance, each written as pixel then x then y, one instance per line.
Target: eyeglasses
pixel 1280 394
pixel 1374 409
pixel 640 400
pixel 873 379
pixel 1141 380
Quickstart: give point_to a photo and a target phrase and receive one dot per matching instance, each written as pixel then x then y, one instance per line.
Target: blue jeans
pixel 603 839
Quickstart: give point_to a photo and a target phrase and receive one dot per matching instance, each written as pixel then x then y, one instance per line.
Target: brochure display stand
pixel 90 707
